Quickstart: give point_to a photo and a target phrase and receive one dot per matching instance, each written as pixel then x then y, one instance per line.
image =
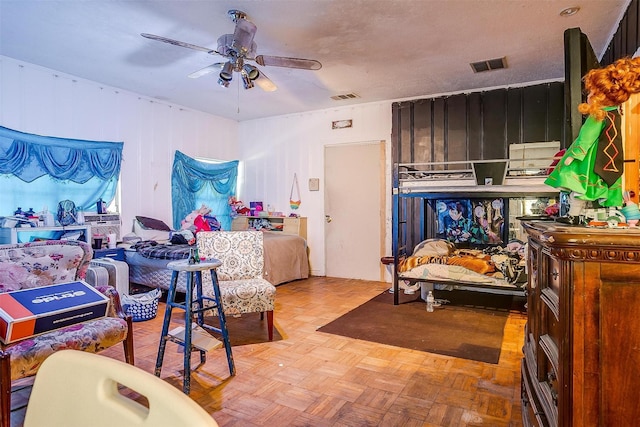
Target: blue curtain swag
pixel 29 157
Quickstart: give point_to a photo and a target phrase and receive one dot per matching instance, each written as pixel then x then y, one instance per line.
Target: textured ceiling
pixel 378 49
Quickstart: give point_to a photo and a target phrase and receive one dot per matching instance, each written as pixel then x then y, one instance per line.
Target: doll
pixel 237 207
pixel 591 168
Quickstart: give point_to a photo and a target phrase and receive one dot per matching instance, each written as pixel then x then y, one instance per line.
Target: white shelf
pixel 26 234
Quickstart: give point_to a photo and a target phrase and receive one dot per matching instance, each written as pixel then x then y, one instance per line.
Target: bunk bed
pixel 488 196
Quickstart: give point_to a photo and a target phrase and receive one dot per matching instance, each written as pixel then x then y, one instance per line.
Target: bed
pixel 440 262
pixel 432 199
pixel 285 260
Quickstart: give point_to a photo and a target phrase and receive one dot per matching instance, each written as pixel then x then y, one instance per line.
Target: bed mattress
pixel 285 257
pixel 151 272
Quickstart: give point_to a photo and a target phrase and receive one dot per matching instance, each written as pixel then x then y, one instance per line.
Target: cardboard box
pixel 34 311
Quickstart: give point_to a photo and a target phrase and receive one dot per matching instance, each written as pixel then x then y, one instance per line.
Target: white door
pixel 354 205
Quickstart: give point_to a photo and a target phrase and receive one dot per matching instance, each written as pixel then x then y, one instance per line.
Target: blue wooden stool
pixel 193 307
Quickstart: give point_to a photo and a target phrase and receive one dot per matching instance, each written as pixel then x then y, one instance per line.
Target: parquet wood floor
pixel 311 378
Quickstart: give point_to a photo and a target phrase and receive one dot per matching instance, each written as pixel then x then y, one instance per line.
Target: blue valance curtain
pixel 38 171
pixel 194 183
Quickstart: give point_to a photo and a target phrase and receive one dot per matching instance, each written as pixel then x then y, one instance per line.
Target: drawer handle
pixel 551 376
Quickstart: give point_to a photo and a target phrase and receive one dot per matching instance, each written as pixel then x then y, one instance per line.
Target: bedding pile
pixel 437 259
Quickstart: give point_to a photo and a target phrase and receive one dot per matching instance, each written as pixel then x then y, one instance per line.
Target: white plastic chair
pixel 79 389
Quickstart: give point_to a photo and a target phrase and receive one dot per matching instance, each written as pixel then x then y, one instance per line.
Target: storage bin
pixel 142 307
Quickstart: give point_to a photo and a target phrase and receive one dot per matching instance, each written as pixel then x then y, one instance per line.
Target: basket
pixel 142 307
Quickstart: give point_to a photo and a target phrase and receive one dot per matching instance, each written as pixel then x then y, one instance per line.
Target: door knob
pixel 328 218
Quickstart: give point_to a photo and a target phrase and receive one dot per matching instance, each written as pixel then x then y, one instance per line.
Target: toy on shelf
pixel 237 207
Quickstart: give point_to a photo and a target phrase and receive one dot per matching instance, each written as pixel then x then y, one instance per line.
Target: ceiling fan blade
pixel 181 44
pixel 265 83
pixel 206 70
pixel 283 61
pixel 243 36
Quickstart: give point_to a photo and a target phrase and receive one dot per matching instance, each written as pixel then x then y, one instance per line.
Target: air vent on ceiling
pixel 344 96
pixel 489 64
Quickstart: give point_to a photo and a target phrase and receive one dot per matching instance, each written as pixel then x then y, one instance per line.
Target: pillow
pixel 434 247
pixel 152 223
pixel 150 234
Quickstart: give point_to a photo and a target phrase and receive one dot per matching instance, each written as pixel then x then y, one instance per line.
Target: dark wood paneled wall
pixel 627 37
pixel 478 125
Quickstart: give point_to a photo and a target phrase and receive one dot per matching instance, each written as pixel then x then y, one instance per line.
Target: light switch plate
pixel 314 184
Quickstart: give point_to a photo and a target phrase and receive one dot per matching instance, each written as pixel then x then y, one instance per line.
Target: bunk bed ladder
pixel 399 232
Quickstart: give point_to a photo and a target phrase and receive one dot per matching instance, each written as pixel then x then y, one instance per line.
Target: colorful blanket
pixel 472 265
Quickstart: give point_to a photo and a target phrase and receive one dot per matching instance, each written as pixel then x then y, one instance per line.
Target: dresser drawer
pixel 532 411
pixel 554 275
pixel 549 324
pixel 550 286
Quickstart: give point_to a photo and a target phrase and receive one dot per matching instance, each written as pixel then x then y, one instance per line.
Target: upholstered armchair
pixel 242 287
pixel 31 265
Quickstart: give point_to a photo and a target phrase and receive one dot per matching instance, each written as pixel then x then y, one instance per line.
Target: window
pixel 197 182
pixel 40 171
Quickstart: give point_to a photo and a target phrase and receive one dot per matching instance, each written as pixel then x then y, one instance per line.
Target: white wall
pixel 38 100
pixel 275 148
pixel 44 102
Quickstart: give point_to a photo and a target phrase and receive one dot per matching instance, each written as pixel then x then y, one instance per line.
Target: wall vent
pixel 489 64
pixel 344 96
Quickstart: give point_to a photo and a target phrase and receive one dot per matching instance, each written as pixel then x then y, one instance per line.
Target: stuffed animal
pixel 237 207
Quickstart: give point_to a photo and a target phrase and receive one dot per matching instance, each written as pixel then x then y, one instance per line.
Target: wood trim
pixel 631 125
pixel 383 207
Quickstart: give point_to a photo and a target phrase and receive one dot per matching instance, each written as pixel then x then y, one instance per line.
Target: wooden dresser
pixel 581 364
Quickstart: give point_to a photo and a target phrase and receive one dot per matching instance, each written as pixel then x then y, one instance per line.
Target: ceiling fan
pixel 238 49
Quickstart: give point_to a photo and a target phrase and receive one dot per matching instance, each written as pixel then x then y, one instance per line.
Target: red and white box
pixel 29 312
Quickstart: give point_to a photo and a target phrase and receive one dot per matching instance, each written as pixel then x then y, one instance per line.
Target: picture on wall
pixel 477 222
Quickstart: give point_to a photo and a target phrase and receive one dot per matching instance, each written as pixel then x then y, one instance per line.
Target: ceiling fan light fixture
pixel 251 71
pixel 227 72
pixel 246 81
pixel 238 48
pixel 242 42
